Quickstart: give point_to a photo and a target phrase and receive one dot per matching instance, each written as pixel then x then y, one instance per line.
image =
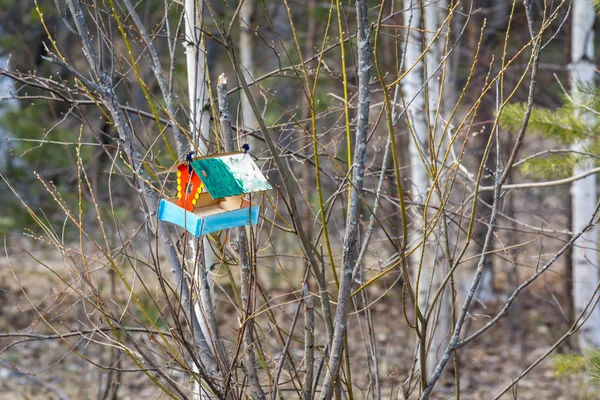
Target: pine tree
pixel 575 127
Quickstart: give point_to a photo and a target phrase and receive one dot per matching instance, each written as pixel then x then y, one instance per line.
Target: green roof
pixel 230 175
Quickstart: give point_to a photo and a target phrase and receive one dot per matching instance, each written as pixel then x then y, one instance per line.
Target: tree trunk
pixel 583 191
pixel 350 243
pixel 305 137
pixel 6 105
pixel 418 142
pixel 246 50
pixel 196 72
pixel 423 121
pixel 200 132
pixel 492 12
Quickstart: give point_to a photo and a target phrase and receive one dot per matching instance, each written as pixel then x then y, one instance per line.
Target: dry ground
pixel 49 370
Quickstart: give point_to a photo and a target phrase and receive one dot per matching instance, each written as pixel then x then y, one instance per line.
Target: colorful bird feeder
pixel 227 178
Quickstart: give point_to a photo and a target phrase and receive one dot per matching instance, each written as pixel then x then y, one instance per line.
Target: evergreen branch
pixel 562 124
pixel 544 184
pixel 592 365
pixel 588 153
pixel 555 166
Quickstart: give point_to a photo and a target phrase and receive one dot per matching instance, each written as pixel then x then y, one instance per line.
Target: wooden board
pixel 207 219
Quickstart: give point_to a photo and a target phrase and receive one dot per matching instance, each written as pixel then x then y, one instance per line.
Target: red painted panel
pixel 188 186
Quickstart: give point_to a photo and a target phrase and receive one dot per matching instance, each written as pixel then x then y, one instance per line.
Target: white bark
pixel 426 128
pixel 247 60
pixel 7 103
pixel 431 12
pixel 412 83
pixel 200 132
pixel 196 71
pixel 440 329
pixel 418 145
pixel 583 191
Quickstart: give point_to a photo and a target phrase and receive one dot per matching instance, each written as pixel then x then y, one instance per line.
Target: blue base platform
pixel 199 225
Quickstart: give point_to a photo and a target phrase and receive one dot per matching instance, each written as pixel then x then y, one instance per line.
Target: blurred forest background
pixel 430 232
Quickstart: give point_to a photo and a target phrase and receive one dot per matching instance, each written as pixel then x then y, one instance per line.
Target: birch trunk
pixel 7 103
pixel 438 101
pixel 413 94
pixel 418 144
pixel 422 114
pixel 247 60
pixel 495 15
pixel 196 72
pixel 583 191
pixel 200 133
pixel 414 98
